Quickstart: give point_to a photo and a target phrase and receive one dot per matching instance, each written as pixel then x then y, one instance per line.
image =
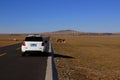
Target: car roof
pixel 34 36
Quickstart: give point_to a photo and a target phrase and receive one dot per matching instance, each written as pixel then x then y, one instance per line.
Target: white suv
pixel 33 43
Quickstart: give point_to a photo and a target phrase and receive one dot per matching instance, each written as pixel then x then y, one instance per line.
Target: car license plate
pixel 33 45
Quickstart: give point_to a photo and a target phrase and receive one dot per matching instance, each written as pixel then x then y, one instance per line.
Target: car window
pixel 33 39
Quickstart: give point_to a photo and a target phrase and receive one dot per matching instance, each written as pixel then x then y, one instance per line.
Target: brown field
pixel 82 57
pixel 7 39
pixel 87 57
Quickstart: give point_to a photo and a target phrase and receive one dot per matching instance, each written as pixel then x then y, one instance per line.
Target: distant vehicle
pixel 33 43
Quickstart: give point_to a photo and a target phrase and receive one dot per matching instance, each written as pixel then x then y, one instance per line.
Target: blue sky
pixel 23 16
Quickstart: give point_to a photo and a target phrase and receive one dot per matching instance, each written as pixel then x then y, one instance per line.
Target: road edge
pixel 51 72
pixel 10 44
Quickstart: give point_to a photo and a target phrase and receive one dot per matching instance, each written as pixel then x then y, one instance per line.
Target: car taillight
pixel 23 44
pixel 42 44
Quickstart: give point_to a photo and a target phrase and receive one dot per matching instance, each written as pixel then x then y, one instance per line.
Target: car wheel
pixel 45 53
pixel 23 54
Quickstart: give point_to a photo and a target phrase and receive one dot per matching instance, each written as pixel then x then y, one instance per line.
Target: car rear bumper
pixel 24 49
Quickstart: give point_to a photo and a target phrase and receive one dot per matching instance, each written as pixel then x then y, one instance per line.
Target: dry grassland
pixel 7 39
pixel 87 57
pixel 82 57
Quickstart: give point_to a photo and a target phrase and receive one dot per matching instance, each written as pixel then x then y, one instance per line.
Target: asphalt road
pixel 15 67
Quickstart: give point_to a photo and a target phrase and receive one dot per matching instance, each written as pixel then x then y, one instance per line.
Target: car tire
pixel 23 54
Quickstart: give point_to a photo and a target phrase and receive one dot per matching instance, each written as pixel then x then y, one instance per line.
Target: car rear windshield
pixel 33 39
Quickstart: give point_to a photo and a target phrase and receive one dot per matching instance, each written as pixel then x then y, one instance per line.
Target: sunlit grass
pixel 7 39
pixel 89 57
pixel 92 54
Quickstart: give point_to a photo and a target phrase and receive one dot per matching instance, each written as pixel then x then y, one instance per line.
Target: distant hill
pixel 66 31
pixel 77 33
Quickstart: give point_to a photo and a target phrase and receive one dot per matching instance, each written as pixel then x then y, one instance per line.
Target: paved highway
pixel 15 67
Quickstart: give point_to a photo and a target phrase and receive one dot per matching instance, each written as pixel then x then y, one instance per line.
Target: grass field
pixel 7 39
pixel 82 57
pixel 88 57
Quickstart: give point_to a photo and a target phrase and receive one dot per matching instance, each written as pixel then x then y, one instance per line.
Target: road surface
pixel 15 67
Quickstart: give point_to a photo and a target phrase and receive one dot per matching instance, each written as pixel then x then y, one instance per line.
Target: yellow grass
pixel 94 57
pixel 82 57
pixel 9 39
